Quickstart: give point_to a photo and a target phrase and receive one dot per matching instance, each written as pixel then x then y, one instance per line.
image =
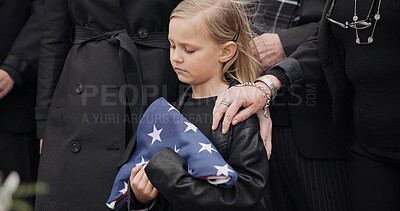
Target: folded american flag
pixel 162 125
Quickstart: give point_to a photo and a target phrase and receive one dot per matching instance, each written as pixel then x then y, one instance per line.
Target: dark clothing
pixel 90 51
pixel 199 112
pixel 377 93
pixel 375 183
pixel 302 184
pixel 20 23
pixel 327 61
pixel 319 109
pixel 303 176
pixel 294 22
pixel 19 152
pixel 242 148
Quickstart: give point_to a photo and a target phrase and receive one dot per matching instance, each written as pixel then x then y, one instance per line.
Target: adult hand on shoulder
pixel 270 49
pixel 248 97
pixel 6 83
pixel 141 186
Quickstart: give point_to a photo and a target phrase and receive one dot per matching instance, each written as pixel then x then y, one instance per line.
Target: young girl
pixel 210 50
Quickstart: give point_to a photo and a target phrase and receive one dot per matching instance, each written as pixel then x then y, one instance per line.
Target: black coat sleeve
pixel 305 57
pixel 308 58
pixel 289 71
pixel 22 61
pixel 247 156
pixel 295 36
pixel 56 42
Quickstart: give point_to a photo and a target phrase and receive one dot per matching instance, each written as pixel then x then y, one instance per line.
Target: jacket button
pixel 79 88
pixel 143 32
pixel 75 146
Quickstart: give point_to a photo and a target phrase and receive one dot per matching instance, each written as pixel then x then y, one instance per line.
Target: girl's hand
pixel 141 186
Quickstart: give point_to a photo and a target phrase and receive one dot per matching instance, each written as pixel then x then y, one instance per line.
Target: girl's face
pixel 193 55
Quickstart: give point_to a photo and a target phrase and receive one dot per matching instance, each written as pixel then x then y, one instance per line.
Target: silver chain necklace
pixel 377 16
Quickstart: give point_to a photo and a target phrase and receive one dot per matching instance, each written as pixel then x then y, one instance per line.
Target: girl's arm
pixel 166 170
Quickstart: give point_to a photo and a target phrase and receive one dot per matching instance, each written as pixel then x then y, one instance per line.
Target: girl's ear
pixel 228 50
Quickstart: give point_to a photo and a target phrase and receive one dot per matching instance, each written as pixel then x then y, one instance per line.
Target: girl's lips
pixel 179 70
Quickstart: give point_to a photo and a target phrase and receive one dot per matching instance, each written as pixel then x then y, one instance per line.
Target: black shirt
pixel 199 112
pixel 373 70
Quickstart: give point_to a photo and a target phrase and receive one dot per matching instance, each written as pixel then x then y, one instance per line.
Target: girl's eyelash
pixel 189 51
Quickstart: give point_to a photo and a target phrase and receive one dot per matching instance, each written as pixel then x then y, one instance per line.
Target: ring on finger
pixel 226 102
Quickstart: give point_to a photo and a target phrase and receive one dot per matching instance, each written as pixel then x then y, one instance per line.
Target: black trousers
pixel 375 181
pixel 298 183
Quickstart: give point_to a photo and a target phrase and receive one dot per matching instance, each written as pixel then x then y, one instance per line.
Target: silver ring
pixel 226 102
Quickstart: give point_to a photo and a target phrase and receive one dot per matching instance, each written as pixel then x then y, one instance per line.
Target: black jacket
pixel 242 147
pixel 20 24
pixel 320 101
pixel 81 108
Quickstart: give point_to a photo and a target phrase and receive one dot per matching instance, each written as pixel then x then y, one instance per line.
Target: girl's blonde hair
pixel 226 20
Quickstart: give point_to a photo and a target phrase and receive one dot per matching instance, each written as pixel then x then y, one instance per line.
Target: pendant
pixel 370 39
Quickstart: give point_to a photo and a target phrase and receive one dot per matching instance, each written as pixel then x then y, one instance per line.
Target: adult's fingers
pixel 244 114
pixel 268 146
pixel 230 114
pixel 218 111
pixel 237 97
pixel 265 132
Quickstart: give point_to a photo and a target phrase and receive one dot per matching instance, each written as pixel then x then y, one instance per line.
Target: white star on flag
pixel 223 170
pixel 190 126
pixel 171 107
pixel 155 135
pixel 207 147
pixel 142 163
pixel 125 189
pixel 177 133
pixel 111 205
pixel 176 150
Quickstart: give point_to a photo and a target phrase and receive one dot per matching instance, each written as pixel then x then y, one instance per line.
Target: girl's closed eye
pixel 189 51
